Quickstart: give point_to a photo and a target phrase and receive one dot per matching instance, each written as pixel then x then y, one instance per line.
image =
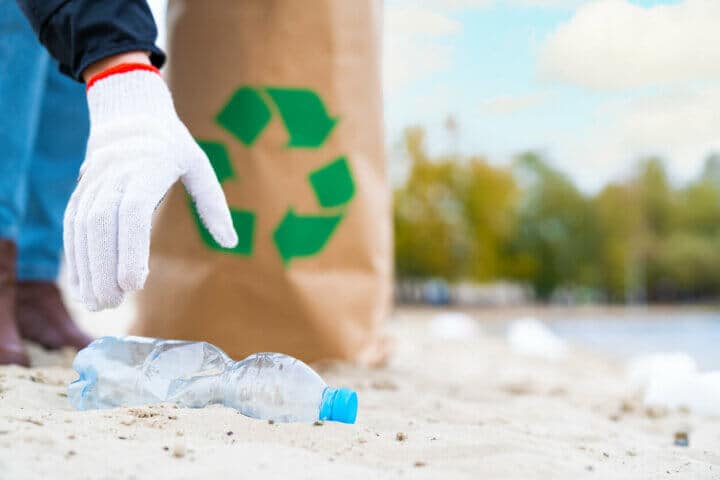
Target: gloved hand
pixel 138 148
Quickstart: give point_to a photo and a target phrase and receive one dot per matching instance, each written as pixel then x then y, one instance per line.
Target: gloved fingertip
pixel 112 302
pixel 92 306
pixel 129 281
pixel 228 238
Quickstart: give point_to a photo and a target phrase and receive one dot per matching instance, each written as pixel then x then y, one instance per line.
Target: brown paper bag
pixel 284 96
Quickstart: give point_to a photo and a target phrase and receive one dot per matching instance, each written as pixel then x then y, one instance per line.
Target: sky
pixel 593 85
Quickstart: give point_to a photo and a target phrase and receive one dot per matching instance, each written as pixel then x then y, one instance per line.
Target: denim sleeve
pixel 80 32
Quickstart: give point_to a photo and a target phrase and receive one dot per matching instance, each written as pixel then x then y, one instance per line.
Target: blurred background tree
pixel 556 228
pixel 464 219
pixel 453 217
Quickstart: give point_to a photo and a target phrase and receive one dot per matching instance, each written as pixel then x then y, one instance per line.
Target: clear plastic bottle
pixel 117 371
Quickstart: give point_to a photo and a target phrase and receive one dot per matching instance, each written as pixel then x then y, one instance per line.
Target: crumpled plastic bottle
pixel 131 371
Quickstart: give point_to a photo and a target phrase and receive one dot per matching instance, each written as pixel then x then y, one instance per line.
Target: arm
pixel 137 149
pixel 80 33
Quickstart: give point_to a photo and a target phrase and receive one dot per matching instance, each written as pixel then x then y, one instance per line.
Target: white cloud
pixel 419 34
pixel 418 20
pixel 611 44
pixel 550 3
pixel 416 43
pixel 673 120
pixel 475 4
pixel 679 125
pixel 454 4
pixel 506 104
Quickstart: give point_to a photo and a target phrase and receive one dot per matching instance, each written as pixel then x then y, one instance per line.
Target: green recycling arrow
pixel 245 115
pixel 303 235
pixel 243 220
pixel 333 183
pixel 304 116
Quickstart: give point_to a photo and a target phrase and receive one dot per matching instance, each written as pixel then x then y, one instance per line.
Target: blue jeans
pixel 43 131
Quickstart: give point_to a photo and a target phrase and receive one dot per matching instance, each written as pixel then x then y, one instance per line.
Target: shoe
pixel 43 318
pixel 12 350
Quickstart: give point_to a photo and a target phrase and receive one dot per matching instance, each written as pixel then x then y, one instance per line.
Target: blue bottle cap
pixel 339 405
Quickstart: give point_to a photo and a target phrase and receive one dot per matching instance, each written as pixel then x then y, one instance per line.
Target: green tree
pixel 453 217
pixel 556 228
pixel 618 217
pixel 462 218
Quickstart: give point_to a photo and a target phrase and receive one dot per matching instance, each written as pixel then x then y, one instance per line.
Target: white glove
pixel 138 148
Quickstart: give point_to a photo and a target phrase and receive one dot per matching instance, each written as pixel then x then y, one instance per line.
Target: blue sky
pixel 515 75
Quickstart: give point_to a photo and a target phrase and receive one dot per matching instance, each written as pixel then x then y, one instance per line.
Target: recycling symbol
pixel 308 125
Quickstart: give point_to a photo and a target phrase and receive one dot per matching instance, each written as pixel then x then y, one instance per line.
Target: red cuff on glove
pixel 122 68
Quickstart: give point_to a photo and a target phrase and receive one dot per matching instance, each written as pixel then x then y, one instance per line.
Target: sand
pixel 442 408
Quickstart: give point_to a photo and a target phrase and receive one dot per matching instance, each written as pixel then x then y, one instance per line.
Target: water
pixel 696 333
pixel 117 371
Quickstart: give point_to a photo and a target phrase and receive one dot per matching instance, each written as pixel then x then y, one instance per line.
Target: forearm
pixel 83 33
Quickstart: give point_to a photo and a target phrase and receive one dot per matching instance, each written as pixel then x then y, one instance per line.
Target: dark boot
pixel 42 317
pixel 11 347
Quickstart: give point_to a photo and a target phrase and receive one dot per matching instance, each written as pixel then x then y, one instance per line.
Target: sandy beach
pixel 442 408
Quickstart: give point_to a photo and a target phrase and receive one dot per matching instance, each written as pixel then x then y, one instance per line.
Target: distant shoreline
pixel 548 312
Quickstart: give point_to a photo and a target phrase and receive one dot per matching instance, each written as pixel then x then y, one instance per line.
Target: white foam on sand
pixel 454 326
pixel 529 336
pixel 673 381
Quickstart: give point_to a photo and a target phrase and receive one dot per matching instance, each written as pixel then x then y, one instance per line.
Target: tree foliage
pixel 462 218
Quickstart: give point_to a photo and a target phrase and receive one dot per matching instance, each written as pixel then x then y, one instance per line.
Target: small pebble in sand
pixel 557 391
pixel 229 433
pixel 271 422
pixel 141 413
pixel 681 439
pixel 420 464
pixel 589 468
pixel 172 417
pixel 71 453
pixel 606 455
pixel 627 406
pixel 120 437
pixel 383 384
pixel 179 450
pixel 318 423
pixel 656 412
pixel 179 433
pixel 401 436
pixel 166 448
pixel 71 437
